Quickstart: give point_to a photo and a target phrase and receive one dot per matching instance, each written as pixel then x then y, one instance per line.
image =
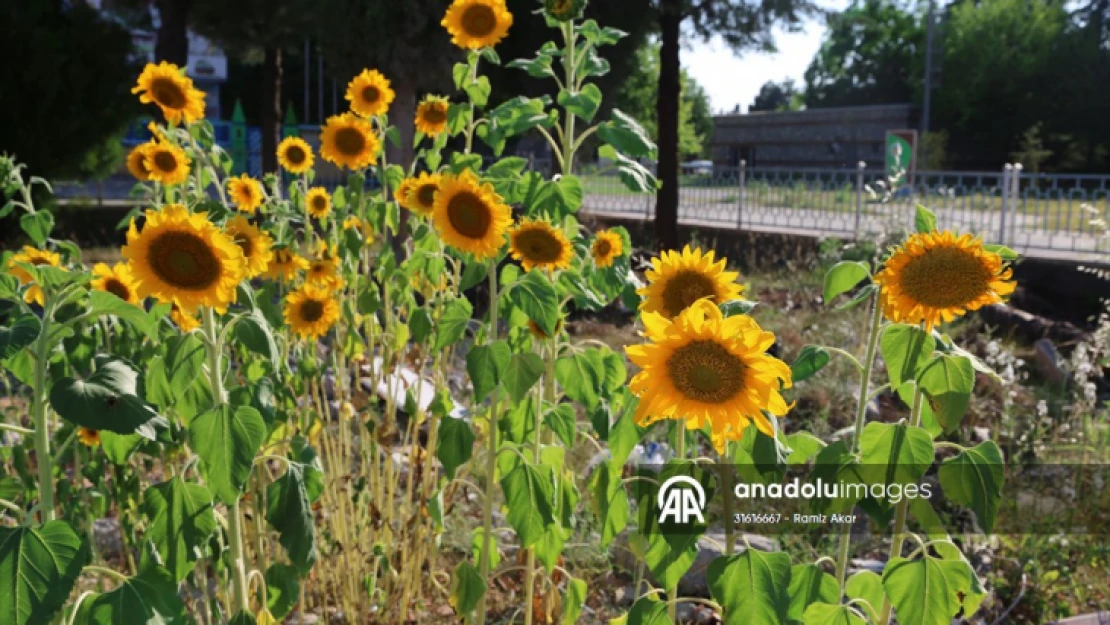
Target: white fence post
pixel 860 166
pixel 740 195
pixel 1007 173
pixel 1015 195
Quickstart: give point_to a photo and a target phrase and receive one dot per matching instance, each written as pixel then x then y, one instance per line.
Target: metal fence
pixel 1037 214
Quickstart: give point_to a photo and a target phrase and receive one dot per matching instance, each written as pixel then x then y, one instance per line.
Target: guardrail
pixel 1044 213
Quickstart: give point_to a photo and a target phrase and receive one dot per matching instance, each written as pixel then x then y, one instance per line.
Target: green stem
pixel 234 515
pixel 568 135
pixel 530 567
pixel 38 415
pixel 861 413
pixel 900 515
pixel 491 454
pixel 726 486
pixel 680 454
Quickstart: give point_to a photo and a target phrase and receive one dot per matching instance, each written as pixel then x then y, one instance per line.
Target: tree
pixel 742 25
pixel 68 90
pixel 873 53
pixel 775 96
pixel 258 29
pixel 173 31
pixel 637 96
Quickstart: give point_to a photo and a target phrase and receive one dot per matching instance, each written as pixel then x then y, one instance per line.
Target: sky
pixel 731 80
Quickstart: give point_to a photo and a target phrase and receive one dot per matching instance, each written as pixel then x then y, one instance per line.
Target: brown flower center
pixel 706 371
pixel 479 20
pixel 469 215
pixel 945 276
pixel 371 94
pixel 319 203
pixel 312 310
pixel 685 288
pixel 168 93
pixel 602 248
pixel 295 154
pixel 426 194
pixel 246 244
pixel 350 141
pixel 538 246
pixel 184 261
pixel 435 113
pixel 165 161
pixel 117 288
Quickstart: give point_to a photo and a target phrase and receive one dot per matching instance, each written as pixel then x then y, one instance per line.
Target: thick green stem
pixel 570 63
pixel 899 539
pixel 241 601
pixel 38 414
pixel 861 413
pixel 680 454
pixel 491 457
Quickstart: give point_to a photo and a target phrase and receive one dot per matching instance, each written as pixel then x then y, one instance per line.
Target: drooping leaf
pixel 523 373
pixel 227 438
pixel 974 478
pixel 283 586
pixel 582 378
pixel 905 349
pixel 22 333
pixel 843 277
pixel 105 303
pixel 456 444
pixel 830 614
pixel 810 584
pixel 648 611
pixel 106 400
pixel 610 501
pixel 921 591
pixel 947 381
pixel 453 322
pixel 626 135
pixel 752 587
pixel 575 600
pixel 865 585
pixel 180 521
pixel 924 221
pixel 289 510
pixel 810 360
pixel 535 295
pixel 487 366
pixel 467 588
pixel 149 598
pixel 530 496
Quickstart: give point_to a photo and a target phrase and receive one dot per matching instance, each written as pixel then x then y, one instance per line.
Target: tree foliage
pixel 777 96
pixel 64 90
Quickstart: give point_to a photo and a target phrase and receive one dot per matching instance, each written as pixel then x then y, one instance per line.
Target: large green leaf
pixel 867 586
pixel 829 614
pixel 530 496
pixel 37 225
pixel 523 373
pixel 183 362
pixel 920 591
pixel 453 322
pixel 487 366
pixel 536 296
pixel 467 588
pixel 149 598
pixel 105 303
pixel 895 453
pixel 254 332
pixel 810 584
pixel 582 378
pixel 583 103
pixel 610 501
pixel 843 277
pixel 752 587
pixel 226 438
pixel 38 567
pixel 283 587
pixel 456 444
pixel 627 135
pixel 810 360
pixel 974 478
pixel 106 400
pixel 22 333
pixel 648 611
pixel 575 600
pixel 289 510
pixel 947 381
pixel 905 348
pixel 180 521
pixel 924 221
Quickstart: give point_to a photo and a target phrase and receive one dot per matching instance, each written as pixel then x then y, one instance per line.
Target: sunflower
pixel 676 281
pixel 317 203
pixel 323 272
pixel 401 193
pixel 938 276
pixel 564 10
pixel 136 162
pixel 607 248
pixel 536 243
pixel 88 437
pixel 705 369
pixel 285 264
pixel 295 155
pixel 349 141
pixel 32 256
pixel 185 322
pixel 470 216
pixel 369 93
pixel 166 163
pixel 311 311
pixel 421 197
pixel 185 259
pixel 116 280
pixel 475 24
pixel 165 85
pixel 255 244
pixel 245 193
pixel 363 226
pixel 431 115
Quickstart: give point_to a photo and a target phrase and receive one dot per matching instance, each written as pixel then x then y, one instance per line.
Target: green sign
pixel 900 147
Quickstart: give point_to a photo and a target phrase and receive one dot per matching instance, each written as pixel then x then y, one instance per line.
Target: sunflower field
pixel 362 403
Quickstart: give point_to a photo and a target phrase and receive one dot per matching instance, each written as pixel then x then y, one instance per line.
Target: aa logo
pixel 681 499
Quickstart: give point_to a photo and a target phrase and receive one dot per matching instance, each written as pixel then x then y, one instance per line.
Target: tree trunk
pixel 271 108
pixel 402 114
pixel 173 41
pixel 667 109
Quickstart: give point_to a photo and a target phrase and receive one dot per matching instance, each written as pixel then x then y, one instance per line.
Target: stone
pixel 866 564
pixel 624 596
pixel 107 538
pixel 1048 361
